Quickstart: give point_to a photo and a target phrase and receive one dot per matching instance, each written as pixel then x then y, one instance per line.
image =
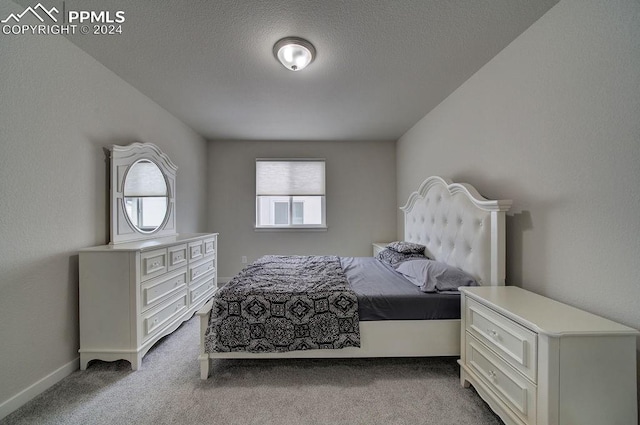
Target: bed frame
pixel 459 227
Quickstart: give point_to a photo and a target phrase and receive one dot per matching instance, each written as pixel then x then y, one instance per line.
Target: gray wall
pixel 360 199
pixel 553 122
pixel 58 109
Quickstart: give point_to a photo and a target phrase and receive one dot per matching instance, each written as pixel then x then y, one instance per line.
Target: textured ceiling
pixel 381 64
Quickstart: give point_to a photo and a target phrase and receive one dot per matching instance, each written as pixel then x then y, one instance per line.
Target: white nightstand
pixel 538 361
pixel 378 246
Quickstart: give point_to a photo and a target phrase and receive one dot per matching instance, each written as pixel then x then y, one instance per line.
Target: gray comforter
pixel 285 303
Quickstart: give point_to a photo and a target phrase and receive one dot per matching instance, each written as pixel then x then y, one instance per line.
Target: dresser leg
pixel 463 379
pixel 84 361
pixel 135 361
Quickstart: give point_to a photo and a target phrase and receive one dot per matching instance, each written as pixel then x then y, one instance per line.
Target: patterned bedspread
pixel 285 303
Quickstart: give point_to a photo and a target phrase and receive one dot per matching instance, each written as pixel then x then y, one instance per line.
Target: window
pixel 297 210
pixel 147 214
pixel 281 213
pixel 290 193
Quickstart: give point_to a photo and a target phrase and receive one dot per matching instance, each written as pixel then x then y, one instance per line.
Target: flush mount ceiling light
pixel 294 53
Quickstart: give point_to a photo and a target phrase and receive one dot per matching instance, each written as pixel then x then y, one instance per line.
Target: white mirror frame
pixel 122 159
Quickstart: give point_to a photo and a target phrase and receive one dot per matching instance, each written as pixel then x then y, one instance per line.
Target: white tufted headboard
pixel 459 227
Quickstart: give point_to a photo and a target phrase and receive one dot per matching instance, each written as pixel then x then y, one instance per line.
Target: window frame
pixel 290 227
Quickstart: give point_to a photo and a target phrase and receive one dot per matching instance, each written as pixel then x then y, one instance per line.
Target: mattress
pixel 384 294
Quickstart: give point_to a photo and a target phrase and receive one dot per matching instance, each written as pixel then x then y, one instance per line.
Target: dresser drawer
pixel 515 343
pixel 209 247
pixel 202 290
pixel 156 319
pixel 154 290
pixel 153 264
pixel 177 256
pixel 197 270
pixel 510 386
pixel 195 251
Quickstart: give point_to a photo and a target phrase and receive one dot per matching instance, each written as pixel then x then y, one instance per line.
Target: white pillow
pixel 433 276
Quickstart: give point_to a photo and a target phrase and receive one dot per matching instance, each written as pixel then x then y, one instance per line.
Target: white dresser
pixel 538 361
pixel 132 294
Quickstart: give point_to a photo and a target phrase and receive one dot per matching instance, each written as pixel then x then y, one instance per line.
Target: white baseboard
pixel 12 404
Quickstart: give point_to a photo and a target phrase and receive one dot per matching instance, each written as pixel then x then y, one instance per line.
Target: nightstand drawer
pixel 511 387
pixel 378 246
pixel 513 342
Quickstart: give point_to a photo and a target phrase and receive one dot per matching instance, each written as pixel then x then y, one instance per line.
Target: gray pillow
pixel 406 247
pixel 394 258
pixel 434 276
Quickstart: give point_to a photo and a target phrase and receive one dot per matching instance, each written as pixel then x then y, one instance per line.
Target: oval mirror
pixel 146 196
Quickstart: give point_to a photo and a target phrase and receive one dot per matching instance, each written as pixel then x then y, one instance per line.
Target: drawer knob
pixel 492 375
pixel 493 333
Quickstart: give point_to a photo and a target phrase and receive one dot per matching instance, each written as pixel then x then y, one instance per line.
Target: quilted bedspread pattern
pixel 285 303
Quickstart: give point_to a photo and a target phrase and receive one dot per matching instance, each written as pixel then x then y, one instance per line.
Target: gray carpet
pixel 168 390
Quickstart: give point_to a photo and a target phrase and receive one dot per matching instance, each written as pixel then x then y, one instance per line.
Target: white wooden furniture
pixel 378 246
pixel 537 361
pixel 133 294
pixel 459 227
pixel 149 279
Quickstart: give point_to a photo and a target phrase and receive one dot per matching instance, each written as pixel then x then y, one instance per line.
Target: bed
pixel 458 227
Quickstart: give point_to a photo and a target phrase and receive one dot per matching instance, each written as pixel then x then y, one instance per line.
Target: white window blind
pixel 290 177
pixel 144 179
pixel 290 194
